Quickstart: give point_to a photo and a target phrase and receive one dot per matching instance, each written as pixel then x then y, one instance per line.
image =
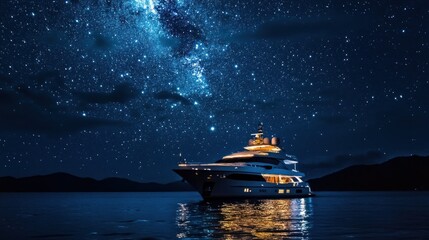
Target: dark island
pixel 398 174
pixel 64 182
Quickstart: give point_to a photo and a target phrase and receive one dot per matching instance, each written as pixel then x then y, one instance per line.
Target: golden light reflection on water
pixel 260 219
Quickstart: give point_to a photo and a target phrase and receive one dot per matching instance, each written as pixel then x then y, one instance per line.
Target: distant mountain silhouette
pixel 401 174
pixel 64 182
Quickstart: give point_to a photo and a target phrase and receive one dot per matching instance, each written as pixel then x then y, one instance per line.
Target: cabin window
pixel 277 179
pixel 295 179
pixel 287 190
pixel 247 190
pixel 281 191
pixel 284 180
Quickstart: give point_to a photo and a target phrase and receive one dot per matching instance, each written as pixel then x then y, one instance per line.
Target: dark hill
pixel 64 182
pixel 401 174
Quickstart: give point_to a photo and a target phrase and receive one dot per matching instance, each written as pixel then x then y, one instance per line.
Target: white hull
pixel 214 185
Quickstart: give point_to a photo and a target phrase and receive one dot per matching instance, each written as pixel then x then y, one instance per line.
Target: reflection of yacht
pixel 256 173
pixel 250 219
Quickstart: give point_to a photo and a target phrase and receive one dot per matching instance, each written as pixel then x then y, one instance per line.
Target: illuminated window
pixel 281 191
pixel 271 178
pixel 284 180
pixel 287 190
pixel 277 179
pixel 247 190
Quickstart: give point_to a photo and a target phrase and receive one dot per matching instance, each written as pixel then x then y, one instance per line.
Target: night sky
pixel 104 88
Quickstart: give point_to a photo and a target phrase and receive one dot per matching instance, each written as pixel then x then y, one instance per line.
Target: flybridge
pixel 261 144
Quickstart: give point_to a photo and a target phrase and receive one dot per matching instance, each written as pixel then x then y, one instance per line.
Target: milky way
pixel 120 88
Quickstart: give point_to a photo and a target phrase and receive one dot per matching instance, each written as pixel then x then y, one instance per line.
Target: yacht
pixel 258 172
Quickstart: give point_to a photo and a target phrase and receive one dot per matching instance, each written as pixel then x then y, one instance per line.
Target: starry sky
pixel 104 88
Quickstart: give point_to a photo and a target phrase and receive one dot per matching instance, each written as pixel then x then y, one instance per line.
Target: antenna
pixel 260 126
pixel 181 159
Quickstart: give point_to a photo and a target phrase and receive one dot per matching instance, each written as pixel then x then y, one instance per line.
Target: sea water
pixel 171 215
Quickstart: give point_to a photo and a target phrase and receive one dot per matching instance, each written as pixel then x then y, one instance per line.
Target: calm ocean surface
pixel 330 215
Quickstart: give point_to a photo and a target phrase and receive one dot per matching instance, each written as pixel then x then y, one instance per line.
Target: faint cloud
pixel 102 42
pixel 166 95
pixel 52 78
pixel 42 99
pixel 17 115
pixel 122 93
pixel 24 109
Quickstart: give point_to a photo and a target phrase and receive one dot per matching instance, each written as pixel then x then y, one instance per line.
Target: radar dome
pixel 266 141
pixel 275 141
